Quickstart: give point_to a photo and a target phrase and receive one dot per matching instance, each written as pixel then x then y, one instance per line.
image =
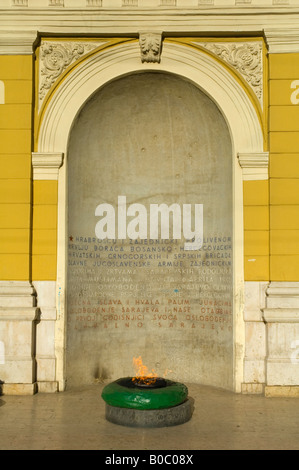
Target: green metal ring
pixel 173 394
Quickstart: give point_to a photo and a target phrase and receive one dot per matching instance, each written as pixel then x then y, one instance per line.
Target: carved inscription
pixel 109 290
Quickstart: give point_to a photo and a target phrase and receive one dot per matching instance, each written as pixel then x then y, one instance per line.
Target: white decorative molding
pixel 55 57
pixel 196 66
pixel 19 3
pixel 254 165
pixel 18 318
pixel 56 3
pixel 17 294
pixel 283 290
pixel 17 42
pixel 255 337
pixel 120 20
pixel 150 46
pixel 245 57
pixel 46 165
pixel 281 317
pixel 45 336
pixel 130 3
pixel 282 302
pixel 18 314
pixel 94 3
pixel 205 2
pixel 280 40
pixel 168 3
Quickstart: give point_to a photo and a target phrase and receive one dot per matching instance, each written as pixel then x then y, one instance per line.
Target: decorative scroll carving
pixel 150 46
pixel 245 57
pixel 56 57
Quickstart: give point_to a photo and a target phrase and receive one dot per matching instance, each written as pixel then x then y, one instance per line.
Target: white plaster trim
pixel 281 315
pixel 201 69
pixel 255 337
pixel 17 42
pixel 17 294
pixel 280 40
pixel 54 58
pixel 244 57
pixel 283 289
pixel 283 295
pixel 19 3
pixel 19 314
pixel 181 20
pixel 282 305
pixel 254 165
pixel 46 165
pixel 150 46
pixel 18 26
pixel 255 300
pixel 94 3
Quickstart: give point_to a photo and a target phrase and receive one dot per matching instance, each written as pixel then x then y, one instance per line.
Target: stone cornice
pixel 254 165
pixel 46 165
pixel 282 40
pixel 281 315
pixel 17 42
pixel 105 21
pixel 19 26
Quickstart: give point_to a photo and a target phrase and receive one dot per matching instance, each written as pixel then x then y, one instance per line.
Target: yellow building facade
pixel 53 58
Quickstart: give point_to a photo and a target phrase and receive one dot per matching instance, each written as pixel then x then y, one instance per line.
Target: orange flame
pixel 142 374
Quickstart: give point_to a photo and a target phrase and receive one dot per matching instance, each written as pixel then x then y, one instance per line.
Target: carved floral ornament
pixel 150 47
pixel 245 57
pixel 55 57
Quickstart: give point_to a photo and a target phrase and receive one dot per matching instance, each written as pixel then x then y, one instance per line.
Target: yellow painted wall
pixel 15 167
pixel 284 166
pixel 44 237
pixel 271 208
pixel 28 212
pixel 256 230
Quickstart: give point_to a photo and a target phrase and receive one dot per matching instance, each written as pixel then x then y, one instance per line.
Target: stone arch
pixel 214 80
pixel 200 68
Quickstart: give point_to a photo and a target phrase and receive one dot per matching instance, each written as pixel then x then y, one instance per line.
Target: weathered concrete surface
pixel 155 139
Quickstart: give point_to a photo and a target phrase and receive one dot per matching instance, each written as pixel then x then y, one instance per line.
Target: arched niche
pixel 142 141
pixel 209 76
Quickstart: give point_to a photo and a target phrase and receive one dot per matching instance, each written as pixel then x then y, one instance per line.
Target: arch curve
pixel 191 64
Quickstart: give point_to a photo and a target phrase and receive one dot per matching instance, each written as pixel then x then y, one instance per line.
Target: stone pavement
pixel 74 420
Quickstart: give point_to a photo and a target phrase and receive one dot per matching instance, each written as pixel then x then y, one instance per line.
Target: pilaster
pixel 45 337
pixel 18 319
pixel 255 338
pixel 281 317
